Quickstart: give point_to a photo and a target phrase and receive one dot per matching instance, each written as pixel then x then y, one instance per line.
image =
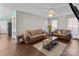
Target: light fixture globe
pixel 51 13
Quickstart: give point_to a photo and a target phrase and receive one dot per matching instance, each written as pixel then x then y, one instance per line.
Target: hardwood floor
pixel 72 49
pixel 9 48
pixel 5 42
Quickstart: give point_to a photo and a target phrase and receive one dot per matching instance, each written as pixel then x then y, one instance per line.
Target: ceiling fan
pixel 51 13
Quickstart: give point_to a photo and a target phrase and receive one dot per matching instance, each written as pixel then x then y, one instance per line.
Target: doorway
pixel 5 35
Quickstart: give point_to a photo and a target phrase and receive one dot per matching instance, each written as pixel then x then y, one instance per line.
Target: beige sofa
pixel 34 35
pixel 62 34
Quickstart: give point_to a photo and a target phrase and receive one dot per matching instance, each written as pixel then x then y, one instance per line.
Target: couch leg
pixel 18 40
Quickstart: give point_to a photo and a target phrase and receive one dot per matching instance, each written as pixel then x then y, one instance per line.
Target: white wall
pixel 14 26
pixel 26 21
pixel 62 23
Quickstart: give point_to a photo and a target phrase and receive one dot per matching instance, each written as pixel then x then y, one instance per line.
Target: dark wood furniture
pixel 49 43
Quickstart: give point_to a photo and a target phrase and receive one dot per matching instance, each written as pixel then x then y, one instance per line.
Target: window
pixel 73 26
pixel 3 26
pixel 54 25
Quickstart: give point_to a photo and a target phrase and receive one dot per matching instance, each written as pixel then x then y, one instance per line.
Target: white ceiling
pixel 41 9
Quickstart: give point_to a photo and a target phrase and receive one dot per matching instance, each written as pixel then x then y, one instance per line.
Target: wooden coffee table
pixel 50 42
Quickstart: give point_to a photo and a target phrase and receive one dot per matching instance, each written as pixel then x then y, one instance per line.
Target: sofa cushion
pixel 36 36
pixel 39 31
pixel 36 32
pixel 39 35
pixel 64 31
pixel 59 32
pixel 33 32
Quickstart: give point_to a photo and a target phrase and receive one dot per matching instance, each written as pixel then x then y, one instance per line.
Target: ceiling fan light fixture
pixel 51 13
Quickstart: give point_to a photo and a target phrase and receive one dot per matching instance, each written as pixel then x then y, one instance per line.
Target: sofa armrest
pixel 43 32
pixel 69 35
pixel 28 39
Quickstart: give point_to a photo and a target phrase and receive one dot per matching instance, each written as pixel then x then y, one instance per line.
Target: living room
pixel 43 29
